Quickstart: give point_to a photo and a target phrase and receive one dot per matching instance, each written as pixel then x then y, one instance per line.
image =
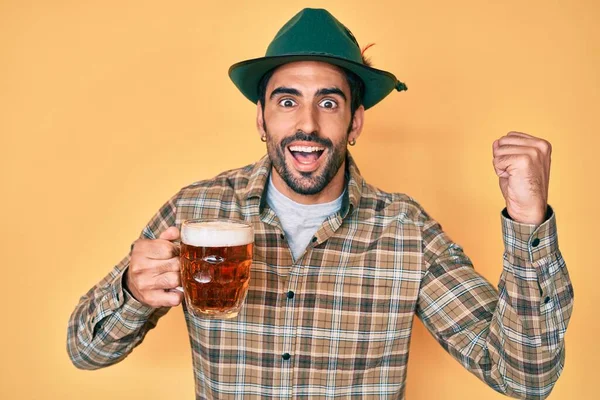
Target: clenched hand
pixel 522 163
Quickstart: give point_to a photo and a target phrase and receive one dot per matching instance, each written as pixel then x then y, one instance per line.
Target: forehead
pixel 309 74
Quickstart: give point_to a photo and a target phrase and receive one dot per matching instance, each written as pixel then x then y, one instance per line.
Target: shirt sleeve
pixel 511 338
pixel 108 322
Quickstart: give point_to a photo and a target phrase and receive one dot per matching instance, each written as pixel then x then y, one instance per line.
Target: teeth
pixel 306 149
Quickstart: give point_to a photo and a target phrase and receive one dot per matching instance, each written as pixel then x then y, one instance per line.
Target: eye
pixel 328 103
pixel 287 103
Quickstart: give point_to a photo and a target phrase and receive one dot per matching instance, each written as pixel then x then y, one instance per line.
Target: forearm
pixel 513 338
pixel 526 338
pixel 535 304
pixel 108 323
pixel 516 346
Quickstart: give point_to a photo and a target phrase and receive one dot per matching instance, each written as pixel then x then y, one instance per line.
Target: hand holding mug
pixel 154 270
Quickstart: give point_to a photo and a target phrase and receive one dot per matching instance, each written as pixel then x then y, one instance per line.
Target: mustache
pixel 303 137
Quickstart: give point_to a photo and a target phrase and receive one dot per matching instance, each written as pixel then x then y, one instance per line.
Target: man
pixel 340 267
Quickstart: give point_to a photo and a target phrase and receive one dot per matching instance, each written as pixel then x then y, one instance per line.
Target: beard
pixel 307 183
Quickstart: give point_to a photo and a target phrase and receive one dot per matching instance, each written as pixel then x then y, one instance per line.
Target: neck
pixel 331 192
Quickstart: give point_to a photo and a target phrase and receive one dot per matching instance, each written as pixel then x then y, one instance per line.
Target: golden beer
pixel 215 266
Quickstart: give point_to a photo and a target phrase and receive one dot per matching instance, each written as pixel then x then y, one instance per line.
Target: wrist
pixel 125 284
pixel 535 218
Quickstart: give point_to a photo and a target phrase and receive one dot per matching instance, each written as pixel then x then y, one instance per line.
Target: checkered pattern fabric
pixel 337 323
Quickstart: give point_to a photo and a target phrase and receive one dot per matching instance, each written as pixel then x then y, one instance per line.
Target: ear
pixel 259 120
pixel 357 124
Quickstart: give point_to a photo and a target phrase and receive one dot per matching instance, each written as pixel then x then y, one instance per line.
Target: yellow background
pixel 109 107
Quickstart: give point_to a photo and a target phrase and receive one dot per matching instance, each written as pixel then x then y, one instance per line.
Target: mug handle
pixel 178 288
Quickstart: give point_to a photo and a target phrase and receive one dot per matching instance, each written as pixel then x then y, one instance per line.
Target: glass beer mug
pixel 215 256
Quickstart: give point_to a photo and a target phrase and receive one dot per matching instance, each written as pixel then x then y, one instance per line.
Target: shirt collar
pixel 259 178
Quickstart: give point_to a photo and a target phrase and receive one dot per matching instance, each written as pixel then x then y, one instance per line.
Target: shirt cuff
pixel 116 299
pixel 527 241
pixel 130 307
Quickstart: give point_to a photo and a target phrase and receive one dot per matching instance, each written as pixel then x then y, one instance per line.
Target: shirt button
pixel 290 295
pixel 314 239
pixel 282 236
pixel 286 356
pixel 547 300
pixel 535 242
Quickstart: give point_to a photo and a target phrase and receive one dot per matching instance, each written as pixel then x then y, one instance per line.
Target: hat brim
pixel 247 74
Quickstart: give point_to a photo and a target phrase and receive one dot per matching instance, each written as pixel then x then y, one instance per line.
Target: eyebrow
pixel 331 90
pixel 284 90
pixel 296 92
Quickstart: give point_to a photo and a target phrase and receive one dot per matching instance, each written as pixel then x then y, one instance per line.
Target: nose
pixel 307 120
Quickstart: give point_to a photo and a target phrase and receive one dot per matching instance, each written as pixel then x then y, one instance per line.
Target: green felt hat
pixel 314 35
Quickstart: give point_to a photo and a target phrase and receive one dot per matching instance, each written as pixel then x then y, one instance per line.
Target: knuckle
pixel 163 268
pixel 134 266
pixel 163 250
pixel 534 153
pixel 167 281
pixel 159 244
pixel 169 266
pixel 546 146
pixel 170 280
pixel 154 250
pixel 139 245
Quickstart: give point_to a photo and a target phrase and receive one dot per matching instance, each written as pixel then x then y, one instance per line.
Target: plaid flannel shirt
pixel 337 322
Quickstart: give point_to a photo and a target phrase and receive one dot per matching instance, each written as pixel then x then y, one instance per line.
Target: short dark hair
pixel 357 89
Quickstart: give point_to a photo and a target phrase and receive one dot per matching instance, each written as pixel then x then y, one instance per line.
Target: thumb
pixel 172 233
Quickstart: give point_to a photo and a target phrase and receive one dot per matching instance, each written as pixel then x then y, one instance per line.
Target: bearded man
pixel 340 267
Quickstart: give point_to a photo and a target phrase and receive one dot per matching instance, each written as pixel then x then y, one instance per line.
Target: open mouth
pixel 306 155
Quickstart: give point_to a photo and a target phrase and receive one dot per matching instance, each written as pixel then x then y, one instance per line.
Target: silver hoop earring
pixel 263 138
pixel 352 142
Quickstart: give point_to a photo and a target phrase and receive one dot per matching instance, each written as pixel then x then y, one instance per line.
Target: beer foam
pixel 216 234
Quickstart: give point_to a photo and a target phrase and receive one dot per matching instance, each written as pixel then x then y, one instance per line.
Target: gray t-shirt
pixel 299 221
